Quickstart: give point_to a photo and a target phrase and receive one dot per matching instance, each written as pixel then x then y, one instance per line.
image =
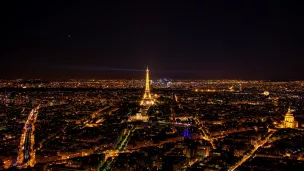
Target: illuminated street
pixel 256 147
pixel 203 132
pixel 26 156
pixel 111 155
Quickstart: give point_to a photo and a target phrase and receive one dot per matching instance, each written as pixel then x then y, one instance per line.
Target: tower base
pixel 147 102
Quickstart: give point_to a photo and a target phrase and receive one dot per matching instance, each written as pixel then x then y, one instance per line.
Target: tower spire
pixel 289 110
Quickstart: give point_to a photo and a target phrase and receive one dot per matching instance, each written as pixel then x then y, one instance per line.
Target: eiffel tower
pixel 147 99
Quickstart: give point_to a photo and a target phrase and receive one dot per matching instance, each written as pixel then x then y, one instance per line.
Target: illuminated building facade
pixel 289 121
pixel 147 99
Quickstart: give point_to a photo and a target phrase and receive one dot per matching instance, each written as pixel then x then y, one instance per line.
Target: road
pixel 27 144
pixel 111 155
pixel 26 154
pixel 256 147
pixel 203 133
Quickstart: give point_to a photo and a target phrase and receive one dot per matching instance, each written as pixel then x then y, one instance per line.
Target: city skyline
pixel 176 120
pixel 170 86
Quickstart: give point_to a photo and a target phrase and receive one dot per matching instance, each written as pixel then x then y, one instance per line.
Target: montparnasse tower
pixel 147 98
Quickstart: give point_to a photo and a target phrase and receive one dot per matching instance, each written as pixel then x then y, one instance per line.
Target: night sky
pixel 204 40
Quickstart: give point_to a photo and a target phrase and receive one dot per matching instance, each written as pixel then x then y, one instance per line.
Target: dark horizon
pixel 201 40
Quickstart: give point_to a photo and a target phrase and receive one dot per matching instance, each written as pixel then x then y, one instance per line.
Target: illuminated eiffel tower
pixel 147 99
